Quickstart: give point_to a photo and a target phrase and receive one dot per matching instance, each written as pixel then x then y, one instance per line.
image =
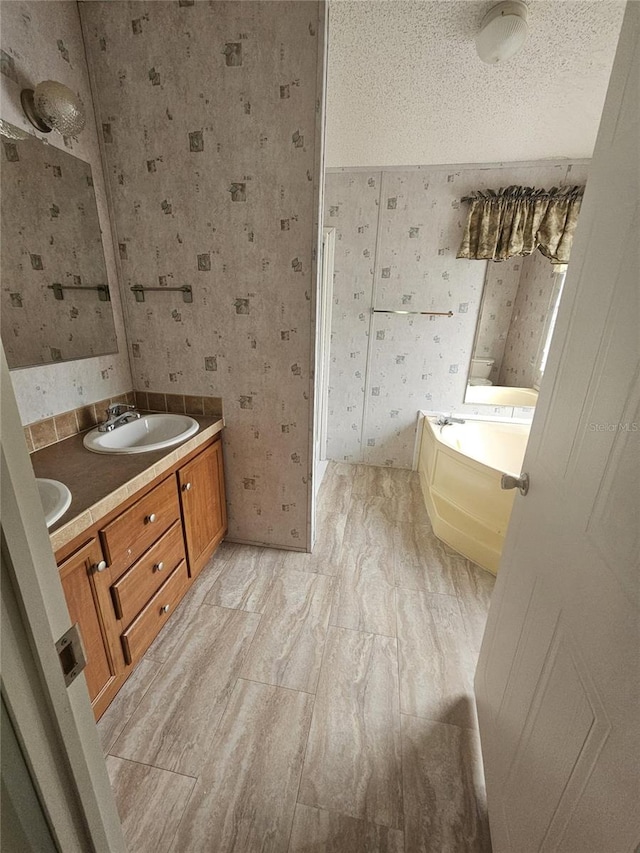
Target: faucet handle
pixel 116 409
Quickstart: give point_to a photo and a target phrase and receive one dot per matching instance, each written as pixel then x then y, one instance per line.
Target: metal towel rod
pixel 139 290
pixel 431 313
pixel 58 290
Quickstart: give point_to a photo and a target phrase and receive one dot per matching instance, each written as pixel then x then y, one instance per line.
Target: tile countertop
pixel 100 481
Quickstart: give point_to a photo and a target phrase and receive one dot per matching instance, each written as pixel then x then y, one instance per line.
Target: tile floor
pixel 313 702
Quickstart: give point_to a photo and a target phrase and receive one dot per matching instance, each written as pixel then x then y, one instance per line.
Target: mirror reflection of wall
pixel 515 323
pixel 54 297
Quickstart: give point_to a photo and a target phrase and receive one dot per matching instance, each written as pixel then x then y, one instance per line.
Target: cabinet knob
pixel 165 608
pixel 101 566
pixel 159 566
pixel 186 487
pixel 150 518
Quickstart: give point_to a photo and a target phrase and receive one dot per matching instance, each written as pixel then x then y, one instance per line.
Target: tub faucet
pixel 445 420
pixel 117 415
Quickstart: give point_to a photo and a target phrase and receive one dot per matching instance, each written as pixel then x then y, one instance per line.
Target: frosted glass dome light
pixel 503 32
pixel 54 106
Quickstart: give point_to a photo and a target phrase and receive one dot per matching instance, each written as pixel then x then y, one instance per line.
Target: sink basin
pixel 55 498
pixel 150 432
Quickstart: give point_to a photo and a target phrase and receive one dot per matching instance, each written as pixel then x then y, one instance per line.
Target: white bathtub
pixel 460 467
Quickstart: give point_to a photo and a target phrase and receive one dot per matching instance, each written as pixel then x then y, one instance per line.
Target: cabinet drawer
pixel 130 534
pixel 132 591
pixel 141 633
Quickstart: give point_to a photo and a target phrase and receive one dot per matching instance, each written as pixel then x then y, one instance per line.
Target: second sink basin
pixel 55 498
pixel 150 432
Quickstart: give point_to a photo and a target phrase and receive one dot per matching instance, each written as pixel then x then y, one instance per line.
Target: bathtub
pixel 460 467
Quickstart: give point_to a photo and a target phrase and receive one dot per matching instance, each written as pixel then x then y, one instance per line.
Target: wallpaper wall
pixel 212 140
pixel 397 234
pixel 537 288
pixel 42 41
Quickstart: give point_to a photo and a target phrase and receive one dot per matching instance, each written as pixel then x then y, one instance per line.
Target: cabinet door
pixel 204 511
pixel 76 577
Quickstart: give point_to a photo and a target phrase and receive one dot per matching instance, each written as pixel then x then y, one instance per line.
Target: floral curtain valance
pixel 519 220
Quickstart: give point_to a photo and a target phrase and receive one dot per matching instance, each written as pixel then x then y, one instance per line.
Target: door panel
pixel 558 681
pixel 204 513
pixel 75 576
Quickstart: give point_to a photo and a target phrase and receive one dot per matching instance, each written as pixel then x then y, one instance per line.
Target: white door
pixel 53 723
pixel 558 680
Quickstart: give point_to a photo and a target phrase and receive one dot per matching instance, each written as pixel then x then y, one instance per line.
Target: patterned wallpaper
pixel 534 301
pixel 51 235
pixel 42 41
pixel 212 140
pixel 399 254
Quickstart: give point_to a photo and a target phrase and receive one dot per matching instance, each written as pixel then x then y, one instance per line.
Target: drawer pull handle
pixel 158 566
pixel 101 566
pixel 165 608
pixel 186 487
pixel 150 518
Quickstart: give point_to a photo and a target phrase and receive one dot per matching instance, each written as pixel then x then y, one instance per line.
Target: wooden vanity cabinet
pixel 204 511
pixel 76 575
pixel 125 580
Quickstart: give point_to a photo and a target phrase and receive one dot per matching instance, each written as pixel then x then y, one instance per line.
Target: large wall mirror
pixel 515 324
pixel 55 299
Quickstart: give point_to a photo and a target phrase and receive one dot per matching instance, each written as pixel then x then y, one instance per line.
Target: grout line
pixel 359 631
pixel 440 722
pixel 364 820
pixel 144 693
pixel 277 686
pixel 155 766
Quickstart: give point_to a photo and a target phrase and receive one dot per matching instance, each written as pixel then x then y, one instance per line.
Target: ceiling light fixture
pixel 53 106
pixel 503 32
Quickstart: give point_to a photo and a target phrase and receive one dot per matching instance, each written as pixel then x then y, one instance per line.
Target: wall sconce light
pixel 53 106
pixel 503 32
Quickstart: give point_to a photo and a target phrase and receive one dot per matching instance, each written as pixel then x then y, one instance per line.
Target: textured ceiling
pixel 406 87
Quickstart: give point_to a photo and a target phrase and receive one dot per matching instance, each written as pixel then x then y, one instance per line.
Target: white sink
pixel 55 498
pixel 150 432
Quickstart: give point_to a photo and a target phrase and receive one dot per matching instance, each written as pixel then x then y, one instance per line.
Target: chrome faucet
pixel 445 420
pixel 117 415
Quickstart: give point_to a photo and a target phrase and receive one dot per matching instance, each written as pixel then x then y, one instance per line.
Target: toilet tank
pixel 481 367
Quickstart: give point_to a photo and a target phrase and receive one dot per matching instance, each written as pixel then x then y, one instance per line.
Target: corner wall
pixel 211 129
pixel 398 233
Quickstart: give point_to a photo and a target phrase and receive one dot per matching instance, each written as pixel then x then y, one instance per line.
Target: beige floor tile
pixel 422 561
pixel 364 602
pixel 474 587
pixel 327 553
pixel 352 765
pixel 244 799
pixel 343 469
pixel 127 700
pixel 436 664
pixel 287 647
pixel 246 579
pixel 335 490
pixel 444 804
pixel 174 725
pixel 364 599
pixel 370 481
pixel 368 539
pixel 165 643
pixel 321 831
pixel 150 802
